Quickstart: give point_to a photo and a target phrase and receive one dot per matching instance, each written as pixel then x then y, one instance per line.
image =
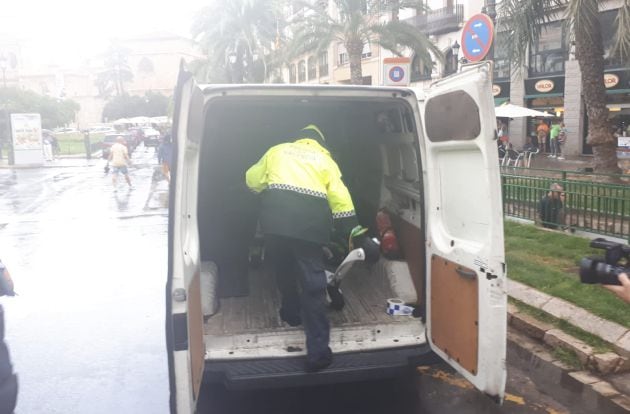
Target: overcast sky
pixel 64 31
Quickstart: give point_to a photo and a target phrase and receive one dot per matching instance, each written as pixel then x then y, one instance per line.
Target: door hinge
pixel 179 295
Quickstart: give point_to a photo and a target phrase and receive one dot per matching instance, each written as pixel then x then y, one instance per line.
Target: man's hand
pixel 622 291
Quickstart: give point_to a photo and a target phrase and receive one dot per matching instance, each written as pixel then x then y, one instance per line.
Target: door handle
pixel 466 274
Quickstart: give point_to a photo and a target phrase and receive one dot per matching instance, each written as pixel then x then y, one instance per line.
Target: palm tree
pixel 524 20
pixel 116 71
pixel 238 36
pixel 356 24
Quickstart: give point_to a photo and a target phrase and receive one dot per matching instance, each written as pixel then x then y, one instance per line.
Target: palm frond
pixel 521 22
pixel 621 47
pixel 581 16
pixel 396 36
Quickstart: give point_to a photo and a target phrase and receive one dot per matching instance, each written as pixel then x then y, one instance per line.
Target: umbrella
pixel 140 120
pixel 121 121
pixel 515 111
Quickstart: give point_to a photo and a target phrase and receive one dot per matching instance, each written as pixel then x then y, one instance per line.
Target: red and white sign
pixel 544 85
pixel 610 80
pixel 396 71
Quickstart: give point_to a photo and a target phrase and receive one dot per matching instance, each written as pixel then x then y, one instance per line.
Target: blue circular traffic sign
pixel 396 74
pixel 477 36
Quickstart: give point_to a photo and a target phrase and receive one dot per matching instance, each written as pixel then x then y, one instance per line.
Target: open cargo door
pixel 184 319
pixel 466 281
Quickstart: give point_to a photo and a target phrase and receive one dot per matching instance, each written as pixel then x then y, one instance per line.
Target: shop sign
pixel 496 90
pixel 611 80
pixel 544 85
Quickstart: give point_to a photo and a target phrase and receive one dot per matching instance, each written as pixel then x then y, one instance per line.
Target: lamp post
pixel 490 9
pixel 4 65
pixel 455 48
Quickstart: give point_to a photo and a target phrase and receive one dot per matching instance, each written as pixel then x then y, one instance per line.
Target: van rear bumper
pixel 289 372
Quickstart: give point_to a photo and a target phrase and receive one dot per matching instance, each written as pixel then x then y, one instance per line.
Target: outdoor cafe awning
pixel 515 111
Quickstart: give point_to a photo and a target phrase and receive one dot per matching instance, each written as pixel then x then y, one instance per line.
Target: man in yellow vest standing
pixel 302 198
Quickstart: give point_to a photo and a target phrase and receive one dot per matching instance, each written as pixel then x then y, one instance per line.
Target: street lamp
pixel 455 49
pixel 4 65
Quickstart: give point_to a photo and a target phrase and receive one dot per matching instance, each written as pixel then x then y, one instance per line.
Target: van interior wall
pixel 239 132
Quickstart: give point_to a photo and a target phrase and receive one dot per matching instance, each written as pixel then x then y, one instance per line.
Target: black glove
pixel 371 248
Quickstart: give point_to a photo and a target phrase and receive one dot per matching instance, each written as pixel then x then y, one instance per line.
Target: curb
pixel 618 336
pixel 593 394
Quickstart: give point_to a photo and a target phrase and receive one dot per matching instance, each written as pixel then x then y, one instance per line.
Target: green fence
pixel 591 202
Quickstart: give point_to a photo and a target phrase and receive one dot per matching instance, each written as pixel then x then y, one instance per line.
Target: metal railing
pixel 596 203
pixel 439 21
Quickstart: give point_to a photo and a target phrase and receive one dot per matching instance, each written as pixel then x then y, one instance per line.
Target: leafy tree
pixel 238 37
pixel 524 21
pixel 356 24
pixel 116 72
pixel 54 112
pixel 127 106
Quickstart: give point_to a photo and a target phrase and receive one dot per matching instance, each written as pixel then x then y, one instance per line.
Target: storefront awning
pixel 544 95
pixel 500 101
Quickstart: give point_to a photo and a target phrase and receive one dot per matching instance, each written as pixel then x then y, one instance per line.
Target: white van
pixel 432 165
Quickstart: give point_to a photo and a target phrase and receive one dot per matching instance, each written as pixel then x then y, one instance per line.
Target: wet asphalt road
pixel 86 332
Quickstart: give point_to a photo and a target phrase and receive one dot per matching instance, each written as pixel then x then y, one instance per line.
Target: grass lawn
pixel 72 143
pixel 549 262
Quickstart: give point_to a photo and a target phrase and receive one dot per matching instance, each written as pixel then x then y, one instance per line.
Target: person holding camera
pixel 622 291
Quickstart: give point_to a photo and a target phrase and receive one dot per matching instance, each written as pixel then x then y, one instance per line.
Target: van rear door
pixel 466 278
pixel 184 319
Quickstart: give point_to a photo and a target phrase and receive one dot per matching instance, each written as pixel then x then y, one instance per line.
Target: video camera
pixel 605 270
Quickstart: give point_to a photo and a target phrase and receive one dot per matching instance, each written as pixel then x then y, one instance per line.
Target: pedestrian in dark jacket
pixel 8 380
pixel 550 207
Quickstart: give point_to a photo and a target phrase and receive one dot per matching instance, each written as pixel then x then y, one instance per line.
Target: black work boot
pixel 291 318
pixel 320 362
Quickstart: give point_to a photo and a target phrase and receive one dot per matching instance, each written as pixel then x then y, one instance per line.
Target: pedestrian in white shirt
pixel 119 159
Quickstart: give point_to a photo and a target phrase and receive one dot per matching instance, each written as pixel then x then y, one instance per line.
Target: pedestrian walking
pixel 119 161
pixel 87 144
pixel 48 149
pixel 301 195
pixel 554 132
pixel 541 132
pixel 165 154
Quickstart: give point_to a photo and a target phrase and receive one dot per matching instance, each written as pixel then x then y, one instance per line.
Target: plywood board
pixel 455 312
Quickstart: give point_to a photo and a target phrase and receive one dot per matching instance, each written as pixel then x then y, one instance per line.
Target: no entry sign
pixel 477 37
pixel 396 71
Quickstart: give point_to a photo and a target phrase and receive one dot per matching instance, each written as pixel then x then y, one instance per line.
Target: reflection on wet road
pixel 86 332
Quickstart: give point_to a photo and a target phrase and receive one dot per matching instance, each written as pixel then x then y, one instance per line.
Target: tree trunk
pixel 589 53
pixel 354 49
pixel 395 5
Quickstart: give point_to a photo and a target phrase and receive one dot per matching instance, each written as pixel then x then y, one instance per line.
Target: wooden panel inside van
pixel 454 317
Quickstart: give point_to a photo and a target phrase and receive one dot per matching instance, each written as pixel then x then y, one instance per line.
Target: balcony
pixel 439 21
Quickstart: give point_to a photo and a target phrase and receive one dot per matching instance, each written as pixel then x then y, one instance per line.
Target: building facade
pixel 551 81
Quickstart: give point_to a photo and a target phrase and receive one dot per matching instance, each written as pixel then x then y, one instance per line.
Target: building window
pixel 609 28
pixel 549 54
pixel 419 71
pixel 366 52
pixel 342 53
pixel 312 68
pixel 292 73
pixel 301 71
pixel 501 61
pixel 323 64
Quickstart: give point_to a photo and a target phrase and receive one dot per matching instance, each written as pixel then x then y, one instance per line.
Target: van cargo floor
pixel 250 326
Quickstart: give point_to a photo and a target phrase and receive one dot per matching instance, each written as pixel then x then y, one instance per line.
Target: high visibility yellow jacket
pixel 302 191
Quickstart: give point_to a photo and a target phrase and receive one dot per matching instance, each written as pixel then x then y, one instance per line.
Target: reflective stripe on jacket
pixel 302 192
